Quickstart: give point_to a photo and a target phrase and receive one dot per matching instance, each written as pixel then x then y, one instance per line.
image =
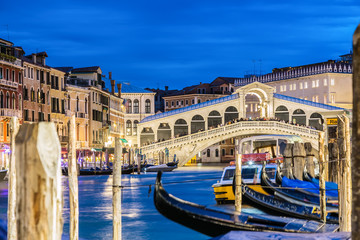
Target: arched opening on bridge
pixel 252 105
pixel 147 136
pixel 163 132
pixel 180 128
pixel 214 119
pixel 231 113
pixel 299 117
pixel 316 121
pixel 197 124
pixel 282 113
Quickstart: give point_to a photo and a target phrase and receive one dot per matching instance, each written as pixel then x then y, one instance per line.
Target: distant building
pixel 159 97
pixel 326 82
pixel 11 80
pixel 139 103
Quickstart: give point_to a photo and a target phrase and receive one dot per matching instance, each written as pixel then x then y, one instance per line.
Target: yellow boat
pixel 250 175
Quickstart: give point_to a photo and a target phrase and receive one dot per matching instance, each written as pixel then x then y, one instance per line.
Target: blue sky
pixel 181 43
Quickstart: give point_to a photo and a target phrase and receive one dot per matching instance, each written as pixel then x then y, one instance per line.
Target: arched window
pixel 42 97
pixel 223 152
pixel 216 152
pixel 128 128
pixel 38 96
pixel 136 106
pixel 69 103
pixel 282 113
pixel 48 98
pixel 136 122
pixel 316 121
pixel 208 152
pixel 299 117
pixel 32 95
pixel 231 113
pixel 147 106
pixel 13 101
pixel 128 105
pixel 7 100
pixel 77 104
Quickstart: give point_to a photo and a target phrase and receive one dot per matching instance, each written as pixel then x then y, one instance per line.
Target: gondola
pixel 273 205
pixel 291 194
pixel 213 222
pixel 97 171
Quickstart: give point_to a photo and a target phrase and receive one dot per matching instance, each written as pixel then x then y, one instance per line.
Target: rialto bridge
pixel 189 130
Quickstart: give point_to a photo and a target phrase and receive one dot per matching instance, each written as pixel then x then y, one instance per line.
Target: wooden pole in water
pixel 299 155
pixel 117 190
pixel 14 128
pixel 38 182
pixel 342 183
pixel 346 227
pixel 310 166
pixel 238 189
pixel 355 161
pixel 288 162
pixel 138 163
pixel 322 177
pixel 73 182
pixel 333 162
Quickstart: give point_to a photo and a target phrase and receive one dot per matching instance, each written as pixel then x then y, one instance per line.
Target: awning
pixel 123 140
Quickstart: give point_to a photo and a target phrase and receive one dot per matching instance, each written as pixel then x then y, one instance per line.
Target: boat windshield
pixel 270 172
pixel 248 173
pixel 229 174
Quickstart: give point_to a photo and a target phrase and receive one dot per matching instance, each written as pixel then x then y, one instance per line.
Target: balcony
pixel 81 115
pixel 6 112
pixel 106 123
pixel 7 59
pixel 9 83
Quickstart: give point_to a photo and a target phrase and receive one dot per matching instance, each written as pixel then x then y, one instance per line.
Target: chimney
pixel 112 85
pixel 200 83
pixel 119 89
pixel 166 88
pixel 34 57
pixel 110 75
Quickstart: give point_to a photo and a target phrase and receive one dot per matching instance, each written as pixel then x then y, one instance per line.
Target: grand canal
pixel 140 218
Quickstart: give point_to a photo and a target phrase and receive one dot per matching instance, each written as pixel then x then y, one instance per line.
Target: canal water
pixel 140 219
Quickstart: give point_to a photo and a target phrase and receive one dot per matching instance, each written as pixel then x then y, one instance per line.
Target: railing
pixel 10 112
pixel 243 125
pixel 81 115
pixel 10 59
pixel 9 83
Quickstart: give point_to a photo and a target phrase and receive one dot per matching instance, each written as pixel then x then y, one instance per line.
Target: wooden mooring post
pixel 333 162
pixel 73 182
pixel 288 161
pixel 14 128
pixel 355 161
pixel 322 177
pixel 310 153
pixel 299 155
pixel 238 188
pixel 117 190
pixel 39 199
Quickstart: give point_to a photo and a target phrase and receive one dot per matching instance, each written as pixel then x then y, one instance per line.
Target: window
pixel 29 73
pixel 216 152
pixel 333 98
pixel 294 86
pixel 136 122
pixel 325 82
pixel 136 106
pixel 147 106
pixel 25 69
pixel 32 73
pixel 313 84
pixel 192 101
pixel 305 85
pixel 199 101
pixel 186 102
pixel 172 103
pixel 32 95
pixel 7 100
pixel 317 83
pixel 301 85
pixel 1 73
pixel 223 152
pixel 290 87
pixel 208 152
pixel 128 128
pixel 77 104
pixel 177 103
pixel 284 88
pixel 20 78
pixel 13 76
pixel 129 106
pixel 332 82
pixel 37 74
pixel 86 106
pixel 167 104
pixel 20 102
pixel 7 74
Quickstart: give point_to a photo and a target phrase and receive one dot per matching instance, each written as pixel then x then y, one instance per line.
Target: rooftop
pixel 127 88
pixel 85 69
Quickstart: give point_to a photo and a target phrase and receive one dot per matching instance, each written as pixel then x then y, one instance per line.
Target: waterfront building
pixel 77 103
pixel 11 78
pixel 139 103
pixel 117 110
pixel 326 82
pixel 57 105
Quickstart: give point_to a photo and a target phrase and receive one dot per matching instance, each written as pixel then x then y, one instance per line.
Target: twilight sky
pixel 181 42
